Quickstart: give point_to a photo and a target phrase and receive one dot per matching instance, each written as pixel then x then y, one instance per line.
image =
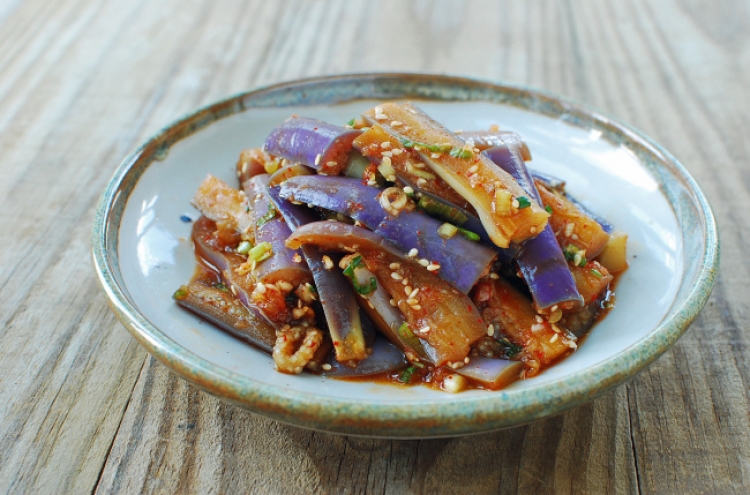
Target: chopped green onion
pixel 523 202
pixel 468 234
pixel 596 273
pixel 461 153
pixel 261 252
pixel 548 209
pixel 244 247
pixel 361 289
pixel 447 230
pixel 222 287
pixel 435 208
pixel 350 123
pixel 405 376
pixel 410 339
pixel 509 348
pixel 180 293
pixel 575 255
pixel 267 217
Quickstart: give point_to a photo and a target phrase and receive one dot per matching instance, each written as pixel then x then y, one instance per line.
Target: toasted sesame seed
pixel 396 276
pixel 396 123
pixel 327 262
pixel 539 319
pixel 317 159
pixel 387 154
pixel 424 262
pixel 331 164
pixel 394 266
pixel 467 360
pixel 494 276
pixel 473 169
pixel 414 292
pixel 408 290
pixel 297 258
pixel 381 116
pixel 425 329
pixel 433 267
pixel 327 367
pixel 536 327
pixel 234 289
pixel 386 161
pixel 413 252
pixel 416 307
pixel 405 281
pixel 435 155
pixel 515 203
pixel 421 182
pixel 553 339
pixel 260 288
pixel 569 228
pixel 397 151
pixel 490 330
pixel 386 145
pixel 408 190
pixel 372 183
pixel 393 302
pixel 532 230
pixel 412 302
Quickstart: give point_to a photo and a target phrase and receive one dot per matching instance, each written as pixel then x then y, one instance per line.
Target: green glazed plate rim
pixel 442 418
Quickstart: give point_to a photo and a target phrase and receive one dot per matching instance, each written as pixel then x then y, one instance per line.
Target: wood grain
pixel 83 82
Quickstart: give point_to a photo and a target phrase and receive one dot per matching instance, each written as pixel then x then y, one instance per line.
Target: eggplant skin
pixel 317 144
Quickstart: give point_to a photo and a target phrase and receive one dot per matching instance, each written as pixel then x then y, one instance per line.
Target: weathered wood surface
pixel 83 408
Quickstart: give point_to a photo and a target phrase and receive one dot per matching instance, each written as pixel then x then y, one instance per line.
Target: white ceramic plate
pixel 142 252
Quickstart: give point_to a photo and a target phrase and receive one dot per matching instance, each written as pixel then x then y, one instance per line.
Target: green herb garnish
pixel 261 252
pixel 468 234
pixel 361 289
pixel 596 273
pixel 440 210
pixel 461 153
pixel 509 348
pixel 455 152
pixel 350 123
pixel 267 217
pixel 181 293
pixel 410 339
pixel 222 287
pixel 548 209
pixel 523 202
pixel 575 255
pixel 405 376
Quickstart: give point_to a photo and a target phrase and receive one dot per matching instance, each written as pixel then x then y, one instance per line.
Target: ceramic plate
pixel 142 252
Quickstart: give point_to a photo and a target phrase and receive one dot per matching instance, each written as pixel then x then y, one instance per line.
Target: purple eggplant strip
pixel 385 358
pixel 489 139
pixel 540 259
pixel 270 227
pixel 462 262
pixel 335 294
pixel 491 372
pixel 227 265
pixel 322 146
pixel 227 313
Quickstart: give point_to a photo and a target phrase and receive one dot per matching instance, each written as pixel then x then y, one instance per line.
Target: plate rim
pixel 437 418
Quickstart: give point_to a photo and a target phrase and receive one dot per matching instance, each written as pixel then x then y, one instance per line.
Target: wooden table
pixel 82 82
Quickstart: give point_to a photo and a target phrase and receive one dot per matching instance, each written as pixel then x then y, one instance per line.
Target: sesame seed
pixel 317 159
pixel 553 339
pixel 421 182
pixel 494 276
pixel 473 169
pixel 327 367
pixel 386 161
pixel 417 307
pixel 378 109
pixel 424 262
pixel 574 237
pixel 433 267
pixel 467 360
pixel 569 227
pixel 408 190
pixel 394 266
pixel 396 123
pixel 536 327
pixel 372 183
pixel 490 330
pixel 539 319
pixel 425 329
pixel 297 258
pixel 260 288
pixel 369 303
pixel 393 302
pixel 412 302
pixel 387 154
pixel 234 289
pixel 397 151
pixel 381 116
pixel 408 290
pixel 435 155
pixel 515 203
pixel 385 145
pixel 396 276
pixel 405 281
pixel 413 252
pixel 532 230
pixel 414 292
pixel 331 164
pixel 327 262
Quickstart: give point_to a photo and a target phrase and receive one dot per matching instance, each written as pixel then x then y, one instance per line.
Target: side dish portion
pixel 393 248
